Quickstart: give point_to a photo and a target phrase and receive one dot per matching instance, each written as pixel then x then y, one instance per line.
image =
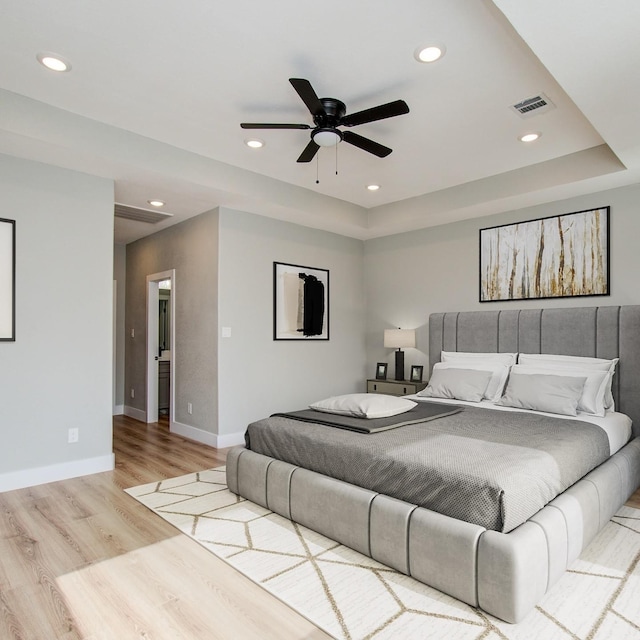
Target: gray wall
pixel 191 248
pixel 58 372
pixel 410 275
pixel 258 375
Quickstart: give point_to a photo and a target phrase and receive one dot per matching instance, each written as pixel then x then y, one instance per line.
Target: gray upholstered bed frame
pixel 504 574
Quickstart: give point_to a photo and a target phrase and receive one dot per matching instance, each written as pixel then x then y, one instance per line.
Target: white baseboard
pixel 206 437
pixel 136 414
pixel 118 409
pixel 230 440
pixel 52 473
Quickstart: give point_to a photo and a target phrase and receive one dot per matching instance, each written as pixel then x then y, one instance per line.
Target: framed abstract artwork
pixel 300 302
pixel 556 257
pixel 7 280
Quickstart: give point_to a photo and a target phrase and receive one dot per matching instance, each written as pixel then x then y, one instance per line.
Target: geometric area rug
pixel 352 597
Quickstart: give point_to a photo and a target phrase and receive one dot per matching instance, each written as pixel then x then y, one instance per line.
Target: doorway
pixel 161 370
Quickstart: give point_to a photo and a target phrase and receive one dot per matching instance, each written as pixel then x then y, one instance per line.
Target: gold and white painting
pixel 556 257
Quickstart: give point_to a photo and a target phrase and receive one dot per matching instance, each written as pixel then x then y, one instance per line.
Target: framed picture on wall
pixel 300 302
pixel 7 280
pixel 556 257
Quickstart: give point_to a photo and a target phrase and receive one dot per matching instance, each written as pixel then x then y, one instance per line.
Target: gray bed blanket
pixel 489 467
pixel 422 412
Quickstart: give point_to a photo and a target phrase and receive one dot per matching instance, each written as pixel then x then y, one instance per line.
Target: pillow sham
pixel 364 405
pixel 591 399
pixel 581 362
pixel 470 356
pixel 555 359
pixel 457 384
pixel 544 392
pixel 499 374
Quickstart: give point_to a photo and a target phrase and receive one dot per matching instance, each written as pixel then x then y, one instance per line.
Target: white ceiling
pixel 158 90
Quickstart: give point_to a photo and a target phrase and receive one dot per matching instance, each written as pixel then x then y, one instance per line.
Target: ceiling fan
pixel 329 114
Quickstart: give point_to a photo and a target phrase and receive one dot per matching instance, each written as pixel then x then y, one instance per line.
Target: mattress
pixel 486 466
pixel 616 425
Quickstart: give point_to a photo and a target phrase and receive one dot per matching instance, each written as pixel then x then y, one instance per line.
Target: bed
pixel 506 568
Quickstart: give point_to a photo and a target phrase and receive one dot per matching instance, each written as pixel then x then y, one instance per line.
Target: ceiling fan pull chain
pixel 336 159
pixel 317 168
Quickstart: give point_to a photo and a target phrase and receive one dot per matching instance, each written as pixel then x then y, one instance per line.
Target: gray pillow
pixel 541 392
pixel 458 384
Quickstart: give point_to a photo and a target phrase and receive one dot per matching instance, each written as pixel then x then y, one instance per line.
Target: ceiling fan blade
pixel 389 110
pixel 309 152
pixel 308 95
pixel 365 144
pixel 266 125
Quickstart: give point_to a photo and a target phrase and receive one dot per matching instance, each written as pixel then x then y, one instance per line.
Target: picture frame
pixel 381 371
pixel 561 256
pixel 416 373
pixel 300 302
pixel 7 280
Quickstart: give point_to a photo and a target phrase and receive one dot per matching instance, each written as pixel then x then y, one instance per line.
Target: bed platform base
pixel 506 575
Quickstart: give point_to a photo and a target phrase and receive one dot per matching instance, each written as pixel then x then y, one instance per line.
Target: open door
pixel 156 354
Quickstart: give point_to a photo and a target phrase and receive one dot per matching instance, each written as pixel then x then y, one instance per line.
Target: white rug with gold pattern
pixel 353 597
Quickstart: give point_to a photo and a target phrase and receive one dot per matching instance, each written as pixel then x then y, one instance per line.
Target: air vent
pixel 139 215
pixel 533 106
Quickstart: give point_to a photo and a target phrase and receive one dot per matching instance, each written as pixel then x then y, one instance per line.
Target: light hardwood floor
pixel 82 559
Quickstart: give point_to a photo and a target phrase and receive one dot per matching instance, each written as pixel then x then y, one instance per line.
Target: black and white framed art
pixel 7 280
pixel 300 302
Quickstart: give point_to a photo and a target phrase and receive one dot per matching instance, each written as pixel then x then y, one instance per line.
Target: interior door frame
pixel 152 346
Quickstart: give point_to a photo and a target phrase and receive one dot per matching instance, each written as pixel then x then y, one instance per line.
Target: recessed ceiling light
pixel 53 61
pixel 430 53
pixel 156 203
pixel 373 187
pixel 254 143
pixel 529 137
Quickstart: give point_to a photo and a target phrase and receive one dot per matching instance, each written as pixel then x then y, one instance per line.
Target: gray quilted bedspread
pixel 489 467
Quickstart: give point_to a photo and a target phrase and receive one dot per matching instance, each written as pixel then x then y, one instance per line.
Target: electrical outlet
pixel 133 392
pixel 73 435
pixel 189 408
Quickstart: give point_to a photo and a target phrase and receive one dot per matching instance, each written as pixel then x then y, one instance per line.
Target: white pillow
pixel 364 405
pixel 468 356
pixel 499 374
pixel 593 392
pixel 458 384
pixel 580 362
pixel 583 361
pixel 541 392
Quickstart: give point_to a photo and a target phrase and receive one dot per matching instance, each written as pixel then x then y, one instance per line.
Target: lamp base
pixel 399 364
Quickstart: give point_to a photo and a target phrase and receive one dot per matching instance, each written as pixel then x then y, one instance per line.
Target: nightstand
pixel 395 387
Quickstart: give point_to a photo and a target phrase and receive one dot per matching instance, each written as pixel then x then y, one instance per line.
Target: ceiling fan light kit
pixel 326 137
pixel 329 114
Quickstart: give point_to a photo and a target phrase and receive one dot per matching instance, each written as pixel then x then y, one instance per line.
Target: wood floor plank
pixel 81 559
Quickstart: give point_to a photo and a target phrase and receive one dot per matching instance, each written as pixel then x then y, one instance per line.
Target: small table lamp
pixel 396 339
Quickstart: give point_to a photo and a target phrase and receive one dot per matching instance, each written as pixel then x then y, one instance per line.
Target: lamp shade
pixel 398 338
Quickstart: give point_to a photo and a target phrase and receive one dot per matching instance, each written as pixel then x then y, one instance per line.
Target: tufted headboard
pixel 601 332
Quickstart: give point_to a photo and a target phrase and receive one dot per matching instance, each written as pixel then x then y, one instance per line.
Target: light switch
pixel 226 332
